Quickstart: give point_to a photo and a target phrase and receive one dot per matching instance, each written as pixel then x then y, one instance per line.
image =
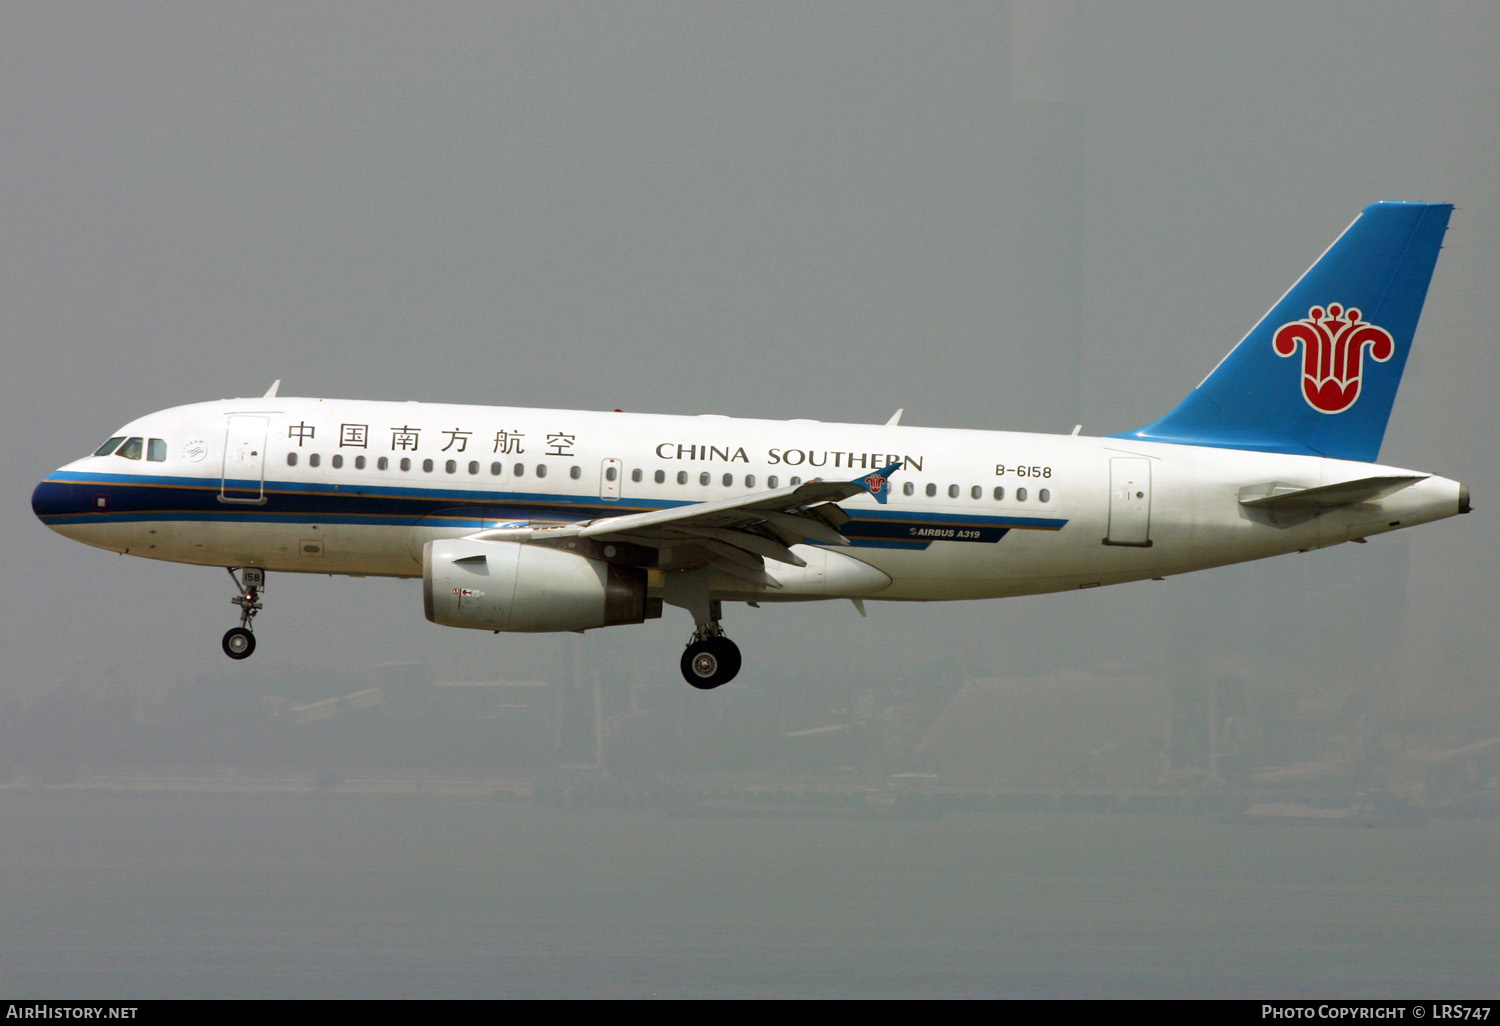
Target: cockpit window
pixel 156 450
pixel 109 446
pixel 131 450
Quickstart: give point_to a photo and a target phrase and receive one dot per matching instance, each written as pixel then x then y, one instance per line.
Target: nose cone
pixel 51 499
pixel 76 507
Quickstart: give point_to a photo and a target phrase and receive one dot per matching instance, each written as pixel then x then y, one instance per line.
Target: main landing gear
pixel 239 642
pixel 710 658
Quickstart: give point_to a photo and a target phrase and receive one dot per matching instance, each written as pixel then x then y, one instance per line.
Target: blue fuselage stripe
pixel 69 498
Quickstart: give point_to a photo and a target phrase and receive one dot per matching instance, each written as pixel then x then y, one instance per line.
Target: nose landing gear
pixel 239 642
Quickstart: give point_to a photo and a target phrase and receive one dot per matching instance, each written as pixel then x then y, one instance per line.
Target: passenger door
pixel 244 471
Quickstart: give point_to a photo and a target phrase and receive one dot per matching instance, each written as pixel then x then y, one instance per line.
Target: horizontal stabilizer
pixel 1298 504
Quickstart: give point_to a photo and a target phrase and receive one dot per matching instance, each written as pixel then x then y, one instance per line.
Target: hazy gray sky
pixel 993 215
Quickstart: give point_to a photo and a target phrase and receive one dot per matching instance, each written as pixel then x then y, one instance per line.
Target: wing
pixel 734 535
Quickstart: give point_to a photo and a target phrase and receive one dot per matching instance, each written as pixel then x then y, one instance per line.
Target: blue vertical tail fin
pixel 1318 374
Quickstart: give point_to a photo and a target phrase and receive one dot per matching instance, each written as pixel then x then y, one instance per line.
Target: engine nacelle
pixel 512 586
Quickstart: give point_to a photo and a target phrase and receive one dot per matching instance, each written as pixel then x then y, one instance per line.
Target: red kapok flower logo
pixel 1333 347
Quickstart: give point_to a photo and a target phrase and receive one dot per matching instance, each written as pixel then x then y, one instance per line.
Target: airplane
pixel 540 520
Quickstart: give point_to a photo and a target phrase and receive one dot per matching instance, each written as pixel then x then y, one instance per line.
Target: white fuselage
pixel 357 487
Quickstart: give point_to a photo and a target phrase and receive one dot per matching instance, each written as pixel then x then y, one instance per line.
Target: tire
pixel 238 643
pixel 711 662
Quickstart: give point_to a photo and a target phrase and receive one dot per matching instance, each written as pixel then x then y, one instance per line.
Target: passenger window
pixel 749 480
pixel 495 469
pixel 908 488
pixel 383 463
pixel 796 481
pixel 682 477
pixel 473 466
pixel 931 490
pixel 405 463
pixel 156 450
pixel 109 446
pixel 359 463
pixel 771 482
pixel 576 472
pixel 728 480
pixel 427 466
pixel 610 473
pixel 314 459
pixel 661 477
pixel 519 470
pixel 953 491
pixel 703 478
pixel 291 459
pixel 1020 495
pixel 450 467
pixel 541 470
pixel 131 450
pixel 337 461
pixel 999 494
pixel 1044 496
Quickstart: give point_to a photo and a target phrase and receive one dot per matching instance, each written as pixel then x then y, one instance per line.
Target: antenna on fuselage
pixel 271 392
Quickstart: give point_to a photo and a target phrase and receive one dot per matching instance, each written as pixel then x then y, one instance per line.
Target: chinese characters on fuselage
pixel 406 438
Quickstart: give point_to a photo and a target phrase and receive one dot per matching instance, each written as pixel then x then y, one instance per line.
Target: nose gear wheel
pixel 238 643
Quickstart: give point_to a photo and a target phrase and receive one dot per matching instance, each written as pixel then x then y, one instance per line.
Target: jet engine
pixel 513 586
